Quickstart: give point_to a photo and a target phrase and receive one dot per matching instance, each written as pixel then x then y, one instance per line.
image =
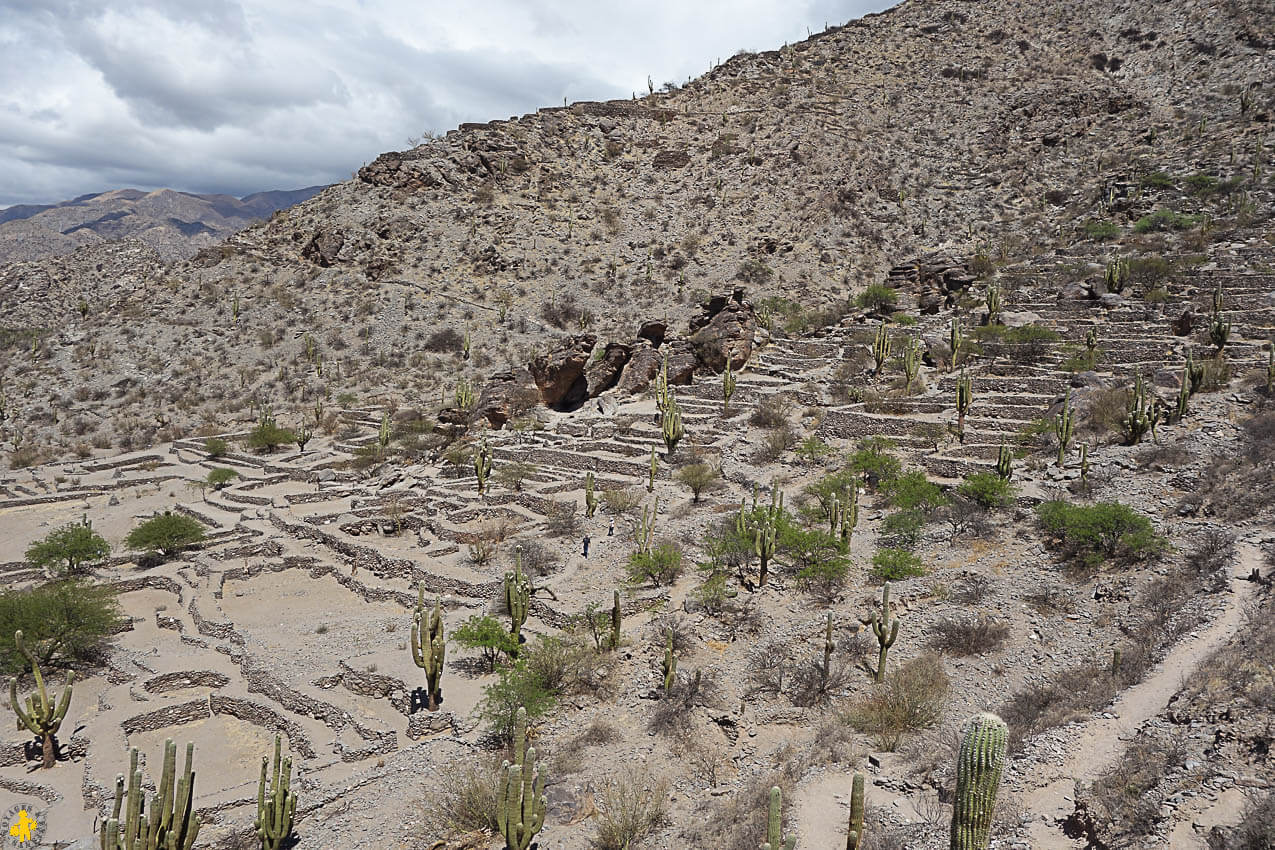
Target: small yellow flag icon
pixel 21 828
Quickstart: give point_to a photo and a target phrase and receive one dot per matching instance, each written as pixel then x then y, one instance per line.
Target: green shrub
pixel 488 635
pixel 895 564
pixel 1165 219
pixel 1092 534
pixel 913 491
pixel 903 529
pixel 878 297
pixel 1100 231
pixel 167 533
pixel 216 447
pixel 61 622
pixel 267 436
pixel 662 565
pixel 518 687
pixel 1157 180
pixel 987 489
pixel 219 478
pixel 67 551
pixel 874 462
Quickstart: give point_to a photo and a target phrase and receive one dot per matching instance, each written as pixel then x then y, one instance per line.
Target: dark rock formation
pixel 559 374
pixel 605 373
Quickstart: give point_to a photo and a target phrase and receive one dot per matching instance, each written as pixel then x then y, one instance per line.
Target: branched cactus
pixel 646 528
pixel 590 497
pixel 978 778
pixel 521 806
pixel 276 803
pixel 767 531
pixel 466 398
pixel 302 436
pixel 955 339
pixel 1063 424
pixel 661 386
pixel 964 398
pixel 615 620
pixel 1091 346
pixel 849 513
pixel 886 631
pixel 1219 328
pixel 854 834
pixel 671 424
pixel 911 362
pixel 1004 462
pixel 429 646
pixel 384 432
pixel 668 667
pixel 728 387
pixel 1194 373
pixel 517 598
pixel 1142 413
pixel 42 717
pixel 994 303
pixel 1117 274
pixel 482 466
pixel 775 824
pixel 167 821
pixel 881 348
pixel 1184 395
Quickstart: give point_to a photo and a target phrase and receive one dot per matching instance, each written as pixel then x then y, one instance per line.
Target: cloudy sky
pixel 239 96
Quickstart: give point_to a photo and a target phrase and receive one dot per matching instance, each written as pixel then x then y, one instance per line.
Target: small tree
pixel 67 551
pixel 489 636
pixel 268 436
pixel 895 564
pixel 987 489
pixel 216 447
pixel 167 533
pixel 62 621
pixel 219 478
pixel 661 565
pixel 513 474
pixel 518 687
pixel 698 477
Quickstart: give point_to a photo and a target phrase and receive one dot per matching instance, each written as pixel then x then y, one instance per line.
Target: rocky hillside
pixel 174 224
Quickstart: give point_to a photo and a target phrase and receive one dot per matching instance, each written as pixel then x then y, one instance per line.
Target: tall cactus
pixel 964 398
pixel 911 362
pixel 482 466
pixel 1270 366
pixel 1117 276
pixel 517 598
pixel 1063 424
pixel 42 717
pixel 1194 373
pixel 994 303
pixel 521 806
pixel 1084 464
pixel 1219 328
pixel 465 396
pixel 429 646
pixel 1142 412
pixel 1091 346
pixel 955 339
pixel 881 348
pixel 276 804
pixel 849 513
pixel 978 777
pixel 171 823
pixel 661 385
pixel 654 468
pixel 590 497
pixel 384 432
pixel 669 666
pixel 615 620
pixel 1004 462
pixel 646 528
pixel 671 428
pixel 854 834
pixel 728 387
pixel 775 824
pixel 886 631
pixel 767 531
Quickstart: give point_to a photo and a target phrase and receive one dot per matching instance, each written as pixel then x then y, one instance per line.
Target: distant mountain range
pixel 175 224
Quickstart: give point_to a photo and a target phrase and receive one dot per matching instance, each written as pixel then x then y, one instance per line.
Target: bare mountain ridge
pixel 176 224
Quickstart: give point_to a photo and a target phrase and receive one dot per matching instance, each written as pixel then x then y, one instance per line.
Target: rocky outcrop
pixel 723 332
pixel 323 247
pixel 643 366
pixel 559 374
pixel 604 374
pixel 935 278
pixel 682 362
pixel 506 395
pixel 654 332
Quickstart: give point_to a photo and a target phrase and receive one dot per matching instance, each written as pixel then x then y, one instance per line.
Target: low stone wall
pixel 152 582
pixel 185 679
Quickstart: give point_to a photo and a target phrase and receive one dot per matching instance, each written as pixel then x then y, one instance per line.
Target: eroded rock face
pixel 506 395
pixel 723 332
pixel 559 374
pixel 605 373
pixel 643 366
pixel 682 361
pixel 653 331
pixel 324 247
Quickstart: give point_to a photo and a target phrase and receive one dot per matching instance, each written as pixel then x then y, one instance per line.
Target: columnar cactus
pixel 383 434
pixel 615 620
pixel 1091 345
pixel 171 824
pixel 1117 274
pixel 429 646
pixel 993 303
pixel 955 339
pixel 590 497
pixel 978 778
pixel 775 824
pixel 1194 373
pixel 850 513
pixel 1004 462
pixel 881 348
pixel 646 528
pixel 275 806
pixel 1270 366
pixel 654 468
pixel 854 834
pixel 886 631
pixel 482 466
pixel 669 666
pixel 764 537
pixel 661 385
pixel 728 387
pixel 1063 424
pixel 42 717
pixel 1084 464
pixel 1142 412
pixel 1219 329
pixel 964 398
pixel 521 806
pixel 517 598
pixel 466 398
pixel 911 362
pixel 671 425
pixel 1184 395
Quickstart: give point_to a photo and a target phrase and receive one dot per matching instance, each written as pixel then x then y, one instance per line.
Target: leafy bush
pixel 1104 531
pixel 267 437
pixel 518 686
pixel 67 551
pixel 662 565
pixel 216 447
pixel 1100 231
pixel 167 533
pixel 878 297
pixel 910 699
pixel 698 477
pixel 1166 219
pixel 987 489
pixel 903 529
pixel 488 635
pixel 913 491
pixel 1157 180
pixel 61 622
pixel 220 477
pixel 874 462
pixel 895 564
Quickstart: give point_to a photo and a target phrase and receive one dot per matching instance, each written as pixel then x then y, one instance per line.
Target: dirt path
pixel 1095 745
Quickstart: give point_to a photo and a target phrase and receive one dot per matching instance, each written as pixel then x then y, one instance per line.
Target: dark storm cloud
pixel 238 96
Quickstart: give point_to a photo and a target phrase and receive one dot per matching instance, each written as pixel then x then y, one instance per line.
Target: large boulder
pixel 559 374
pixel 506 395
pixel 653 331
pixel 604 374
pixel 682 361
pixel 643 366
pixel 722 332
pixel 324 247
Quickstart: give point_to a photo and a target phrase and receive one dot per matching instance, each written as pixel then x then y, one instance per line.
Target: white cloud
pixel 242 95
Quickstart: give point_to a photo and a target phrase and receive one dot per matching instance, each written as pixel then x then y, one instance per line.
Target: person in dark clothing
pixel 586 546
